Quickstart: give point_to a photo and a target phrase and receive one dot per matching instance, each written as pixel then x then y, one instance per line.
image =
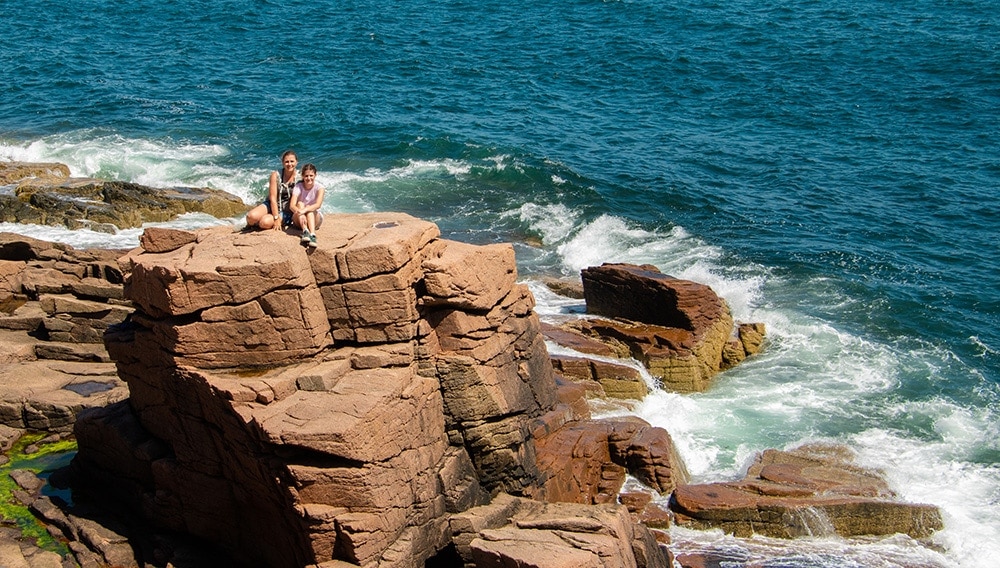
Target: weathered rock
pixel 613 380
pixel 17 347
pixel 60 302
pixel 811 491
pixel 469 277
pixel 16 553
pixel 79 321
pixel 644 294
pixel 565 288
pixel 683 361
pixel 368 268
pixel 262 435
pixel 587 460
pixel 656 515
pixel 519 532
pixel 48 395
pixel 13 172
pixel 46 195
pixel 680 330
pixel 158 239
pixel 369 244
pixel 381 449
pixel 8 436
pixel 575 340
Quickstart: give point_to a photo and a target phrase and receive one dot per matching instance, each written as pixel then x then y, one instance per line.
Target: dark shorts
pixel 286 215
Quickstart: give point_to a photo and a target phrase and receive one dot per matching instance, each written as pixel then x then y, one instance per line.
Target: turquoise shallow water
pixel 830 168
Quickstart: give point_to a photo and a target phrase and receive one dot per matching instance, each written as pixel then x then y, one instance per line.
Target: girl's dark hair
pixel 308 168
pixel 286 153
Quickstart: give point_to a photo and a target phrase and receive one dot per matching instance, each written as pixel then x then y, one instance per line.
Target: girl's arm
pixel 320 192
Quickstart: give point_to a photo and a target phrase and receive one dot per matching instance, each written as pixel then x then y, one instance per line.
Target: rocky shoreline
pixel 384 400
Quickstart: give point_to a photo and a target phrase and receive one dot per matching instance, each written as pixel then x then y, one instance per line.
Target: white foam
pixel 985 349
pixel 94 153
pixel 613 239
pixel 581 243
pixel 605 239
pixel 555 221
pixel 549 304
pixel 425 168
pixel 122 239
pixel 924 471
pixel 500 161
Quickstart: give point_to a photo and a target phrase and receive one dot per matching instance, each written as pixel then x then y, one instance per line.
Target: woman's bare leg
pixel 255 215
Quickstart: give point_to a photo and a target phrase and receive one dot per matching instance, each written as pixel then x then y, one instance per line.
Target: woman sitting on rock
pixel 279 197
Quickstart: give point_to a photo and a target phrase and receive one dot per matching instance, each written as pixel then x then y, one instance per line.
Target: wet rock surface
pixel 813 490
pixel 681 331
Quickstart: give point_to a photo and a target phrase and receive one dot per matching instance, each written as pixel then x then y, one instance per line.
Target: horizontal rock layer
pixel 56 303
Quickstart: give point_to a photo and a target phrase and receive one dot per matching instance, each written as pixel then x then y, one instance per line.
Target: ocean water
pixel 830 167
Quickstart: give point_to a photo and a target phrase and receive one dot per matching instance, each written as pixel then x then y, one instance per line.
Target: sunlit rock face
pixel 301 405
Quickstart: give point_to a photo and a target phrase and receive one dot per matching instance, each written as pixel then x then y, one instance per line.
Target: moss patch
pixel 48 458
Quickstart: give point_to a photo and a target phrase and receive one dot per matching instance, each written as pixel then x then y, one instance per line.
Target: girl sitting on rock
pixel 307 198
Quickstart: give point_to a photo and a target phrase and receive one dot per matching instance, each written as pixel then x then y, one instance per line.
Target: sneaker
pixel 312 240
pixel 305 236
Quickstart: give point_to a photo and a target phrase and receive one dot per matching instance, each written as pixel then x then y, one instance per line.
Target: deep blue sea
pixel 830 167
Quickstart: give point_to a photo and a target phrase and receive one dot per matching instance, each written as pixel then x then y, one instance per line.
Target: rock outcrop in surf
pixel 46 194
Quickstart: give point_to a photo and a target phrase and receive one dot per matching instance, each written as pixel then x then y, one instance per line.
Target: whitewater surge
pixel 813 382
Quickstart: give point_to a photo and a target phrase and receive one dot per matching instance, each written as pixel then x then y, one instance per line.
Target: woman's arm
pixel 272 195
